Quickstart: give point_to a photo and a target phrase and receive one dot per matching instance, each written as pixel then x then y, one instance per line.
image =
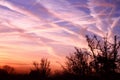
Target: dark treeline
pixel 101 61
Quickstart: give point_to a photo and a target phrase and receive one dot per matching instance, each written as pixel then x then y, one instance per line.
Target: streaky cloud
pixel 33 29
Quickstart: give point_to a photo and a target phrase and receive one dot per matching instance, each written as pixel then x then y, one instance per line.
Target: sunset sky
pixel 35 29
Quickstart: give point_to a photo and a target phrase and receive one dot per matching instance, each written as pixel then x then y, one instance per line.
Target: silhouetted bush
pixel 9 69
pixel 5 72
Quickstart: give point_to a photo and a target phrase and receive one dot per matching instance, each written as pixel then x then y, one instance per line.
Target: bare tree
pixel 45 67
pixel 105 54
pixel 42 69
pixel 77 63
pixel 101 57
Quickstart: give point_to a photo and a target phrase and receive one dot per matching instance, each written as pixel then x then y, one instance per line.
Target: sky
pixel 35 29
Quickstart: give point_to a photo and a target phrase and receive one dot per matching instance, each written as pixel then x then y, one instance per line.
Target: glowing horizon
pixel 35 29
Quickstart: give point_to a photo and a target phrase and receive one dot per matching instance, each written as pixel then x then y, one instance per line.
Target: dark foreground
pixel 59 76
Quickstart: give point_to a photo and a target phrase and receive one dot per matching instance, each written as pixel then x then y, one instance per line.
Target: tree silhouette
pixel 105 54
pixel 42 69
pixel 99 60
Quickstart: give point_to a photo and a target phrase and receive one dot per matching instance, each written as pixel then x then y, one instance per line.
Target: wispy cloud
pixel 50 28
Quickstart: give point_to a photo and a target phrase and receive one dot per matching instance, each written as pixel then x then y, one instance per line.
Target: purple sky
pixel 32 29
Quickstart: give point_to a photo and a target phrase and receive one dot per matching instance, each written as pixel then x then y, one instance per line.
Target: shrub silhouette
pixel 42 70
pixel 5 71
pixel 9 69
